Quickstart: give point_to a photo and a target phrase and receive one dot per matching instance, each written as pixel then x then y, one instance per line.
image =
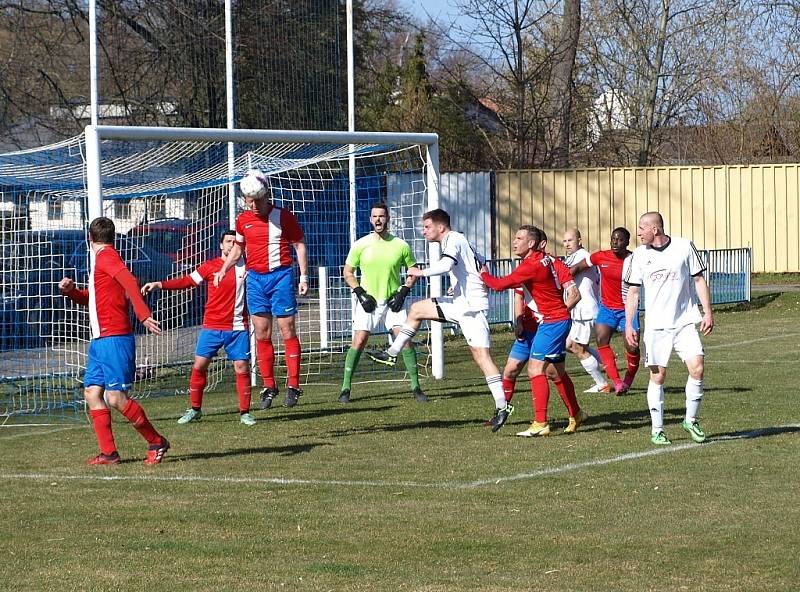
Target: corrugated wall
pixel 717 207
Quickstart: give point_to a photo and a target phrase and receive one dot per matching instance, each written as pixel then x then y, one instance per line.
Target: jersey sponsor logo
pixel 663 275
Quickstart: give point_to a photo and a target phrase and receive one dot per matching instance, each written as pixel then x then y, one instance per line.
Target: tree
pixel 560 91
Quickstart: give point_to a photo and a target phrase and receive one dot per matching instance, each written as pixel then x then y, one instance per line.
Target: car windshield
pixel 163 241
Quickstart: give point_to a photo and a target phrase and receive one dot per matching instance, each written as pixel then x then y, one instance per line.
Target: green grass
pixel 760 279
pixel 394 495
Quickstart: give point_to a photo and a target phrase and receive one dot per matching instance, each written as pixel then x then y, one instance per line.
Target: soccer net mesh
pixel 171 201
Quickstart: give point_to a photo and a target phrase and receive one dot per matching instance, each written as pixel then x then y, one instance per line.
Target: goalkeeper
pixel 381 297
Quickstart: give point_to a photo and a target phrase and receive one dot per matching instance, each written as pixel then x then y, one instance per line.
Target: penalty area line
pixel 447 485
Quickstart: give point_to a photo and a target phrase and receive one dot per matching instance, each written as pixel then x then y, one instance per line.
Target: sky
pixel 433 7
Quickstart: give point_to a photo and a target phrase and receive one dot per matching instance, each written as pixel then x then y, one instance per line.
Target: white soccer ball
pixel 254 184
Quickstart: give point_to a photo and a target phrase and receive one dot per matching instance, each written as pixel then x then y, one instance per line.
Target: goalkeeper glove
pixel 368 303
pixel 396 301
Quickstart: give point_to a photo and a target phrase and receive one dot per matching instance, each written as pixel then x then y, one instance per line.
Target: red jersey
pixel 108 305
pixel 529 322
pixel 610 268
pixel 267 240
pixel 225 305
pixel 543 279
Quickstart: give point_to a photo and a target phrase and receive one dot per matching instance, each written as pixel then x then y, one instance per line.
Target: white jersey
pixel 588 282
pixel 469 290
pixel 666 275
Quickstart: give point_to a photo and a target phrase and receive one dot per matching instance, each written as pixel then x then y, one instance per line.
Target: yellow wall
pixel 718 207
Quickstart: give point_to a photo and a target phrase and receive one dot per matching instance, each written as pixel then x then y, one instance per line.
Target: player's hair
pixel 437 216
pixel 379 205
pixel 536 234
pixel 624 231
pixel 227 233
pixel 576 232
pixel 658 217
pixel 102 231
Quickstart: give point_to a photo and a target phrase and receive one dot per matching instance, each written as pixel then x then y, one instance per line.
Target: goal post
pixel 334 143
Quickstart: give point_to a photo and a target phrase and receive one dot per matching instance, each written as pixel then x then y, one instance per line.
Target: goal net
pixel 171 193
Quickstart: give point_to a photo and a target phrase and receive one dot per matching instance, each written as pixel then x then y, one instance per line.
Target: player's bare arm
pixel 704 295
pixel 302 261
pixel 571 295
pixel 349 275
pixel 578 267
pixel 152 325
pixel 150 286
pixel 66 285
pixel 230 261
pixel 631 309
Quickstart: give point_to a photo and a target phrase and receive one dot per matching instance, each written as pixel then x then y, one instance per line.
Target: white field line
pixel 448 485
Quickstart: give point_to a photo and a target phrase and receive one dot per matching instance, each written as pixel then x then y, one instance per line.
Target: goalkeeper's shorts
pixel 380 319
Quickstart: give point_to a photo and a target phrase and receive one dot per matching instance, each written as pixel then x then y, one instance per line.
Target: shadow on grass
pixel 755 303
pixel 279 450
pixel 756 433
pixel 400 427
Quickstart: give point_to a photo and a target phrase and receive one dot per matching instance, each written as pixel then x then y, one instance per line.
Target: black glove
pixel 368 303
pixel 396 301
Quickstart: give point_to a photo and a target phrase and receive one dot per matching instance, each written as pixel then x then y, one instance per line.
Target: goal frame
pixel 95 134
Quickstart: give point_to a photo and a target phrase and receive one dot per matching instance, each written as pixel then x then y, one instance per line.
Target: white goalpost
pixel 170 193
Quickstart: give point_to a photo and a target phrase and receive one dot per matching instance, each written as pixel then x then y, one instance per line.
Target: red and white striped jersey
pixel 108 304
pixel 543 279
pixel 268 239
pixel 226 308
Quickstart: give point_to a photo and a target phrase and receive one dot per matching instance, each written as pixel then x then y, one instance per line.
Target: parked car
pixel 32 309
pixel 187 242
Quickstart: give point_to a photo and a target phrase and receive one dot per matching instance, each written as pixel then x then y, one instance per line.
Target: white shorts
pixel 581 331
pixel 379 319
pixel 659 343
pixel 473 324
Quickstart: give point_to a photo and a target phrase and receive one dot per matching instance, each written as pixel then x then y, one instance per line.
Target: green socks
pixel 410 360
pixel 350 363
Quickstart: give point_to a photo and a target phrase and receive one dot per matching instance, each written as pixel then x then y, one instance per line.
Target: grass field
pixel 388 494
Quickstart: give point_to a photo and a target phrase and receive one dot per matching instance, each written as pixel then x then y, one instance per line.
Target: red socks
pixel 135 414
pixel 633 366
pixel 244 389
pixel 197 384
pixel 508 389
pixel 540 391
pixel 266 361
pixel 101 421
pixel 292 346
pixel 609 361
pixel 567 392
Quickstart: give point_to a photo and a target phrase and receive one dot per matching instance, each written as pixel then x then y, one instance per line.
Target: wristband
pixel 303 279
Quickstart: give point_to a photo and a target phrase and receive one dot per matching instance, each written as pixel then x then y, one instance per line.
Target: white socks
pixel 655 401
pixel 593 369
pixel 694 396
pixel 495 383
pixel 406 334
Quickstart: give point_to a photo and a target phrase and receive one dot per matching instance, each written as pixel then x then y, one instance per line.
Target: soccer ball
pixel 254 184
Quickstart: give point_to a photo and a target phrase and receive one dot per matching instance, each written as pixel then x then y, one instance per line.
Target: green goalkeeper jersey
pixel 380 260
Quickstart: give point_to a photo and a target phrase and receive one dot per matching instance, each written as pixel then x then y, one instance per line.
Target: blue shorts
pixel 111 363
pixel 521 350
pixel 272 293
pixel 236 344
pixel 615 319
pixel 550 343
